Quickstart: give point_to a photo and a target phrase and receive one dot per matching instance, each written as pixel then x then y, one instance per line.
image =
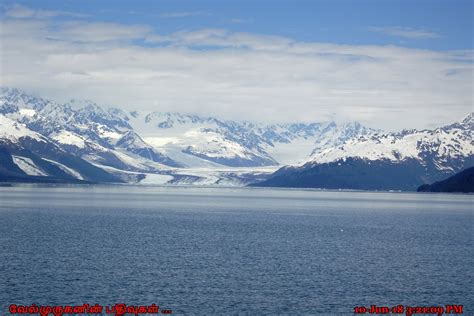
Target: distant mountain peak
pixel 468 120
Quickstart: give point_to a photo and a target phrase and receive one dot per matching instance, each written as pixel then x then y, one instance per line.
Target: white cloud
pixel 225 39
pixel 406 32
pixel 93 32
pixel 236 75
pixel 21 12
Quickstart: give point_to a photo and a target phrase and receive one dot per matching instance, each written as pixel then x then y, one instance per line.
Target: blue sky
pixel 431 24
pixel 387 64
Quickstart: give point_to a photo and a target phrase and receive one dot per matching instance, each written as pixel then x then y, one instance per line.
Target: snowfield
pixel 13 130
pixel 69 138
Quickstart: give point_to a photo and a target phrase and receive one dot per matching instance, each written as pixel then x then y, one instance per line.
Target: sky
pixel 387 64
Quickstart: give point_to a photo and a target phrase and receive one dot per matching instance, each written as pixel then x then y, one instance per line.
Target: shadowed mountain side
pixel 460 182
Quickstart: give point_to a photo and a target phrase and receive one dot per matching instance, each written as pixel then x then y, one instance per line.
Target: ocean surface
pixel 234 251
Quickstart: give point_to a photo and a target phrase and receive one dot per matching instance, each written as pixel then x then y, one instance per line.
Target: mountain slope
pixel 80 127
pixel 460 182
pixel 27 154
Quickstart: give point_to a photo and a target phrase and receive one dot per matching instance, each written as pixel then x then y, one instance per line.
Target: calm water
pixel 229 251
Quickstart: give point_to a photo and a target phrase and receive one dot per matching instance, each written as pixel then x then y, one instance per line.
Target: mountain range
pixel 385 161
pixel 80 141
pixel 135 144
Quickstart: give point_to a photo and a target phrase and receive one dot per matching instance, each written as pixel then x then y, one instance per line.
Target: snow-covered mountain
pixel 87 131
pixel 207 140
pixel 440 146
pixel 181 148
pixel 136 142
pixel 401 160
pixel 29 156
pixel 199 141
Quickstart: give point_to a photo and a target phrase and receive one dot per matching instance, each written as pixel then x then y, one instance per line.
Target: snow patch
pixel 66 169
pixel 159 179
pixel 28 166
pixel 106 132
pixel 27 112
pixel 161 141
pixel 69 138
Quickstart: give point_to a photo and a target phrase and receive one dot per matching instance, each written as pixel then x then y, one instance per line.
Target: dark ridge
pixel 462 182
